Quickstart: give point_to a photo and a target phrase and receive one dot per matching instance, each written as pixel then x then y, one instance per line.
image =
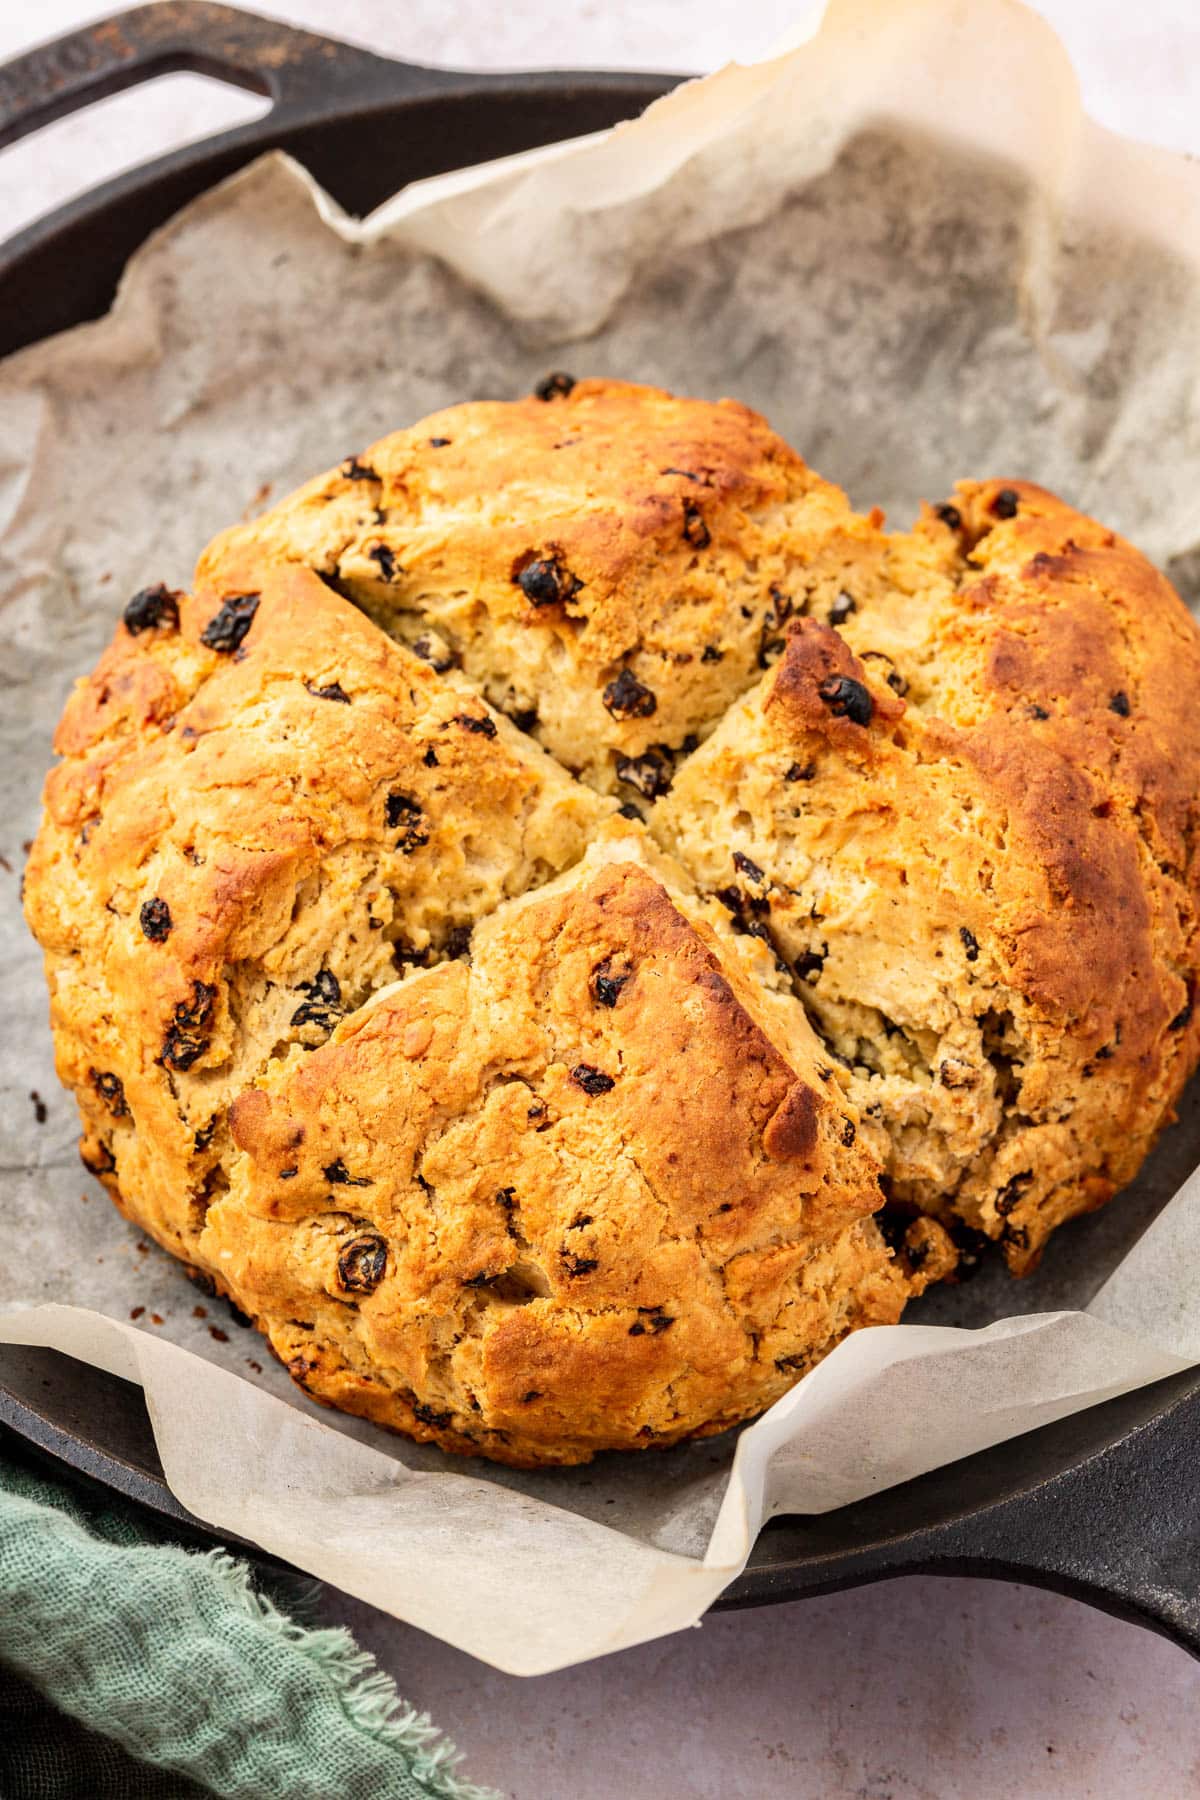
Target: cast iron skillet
pixel 1105 1505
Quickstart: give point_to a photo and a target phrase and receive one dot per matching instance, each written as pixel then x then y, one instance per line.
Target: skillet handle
pixel 293 67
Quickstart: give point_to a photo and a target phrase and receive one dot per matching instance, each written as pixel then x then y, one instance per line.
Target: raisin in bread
pixel 263 811
pixel 611 565
pixel 532 1130
pixel 967 819
pixel 590 1189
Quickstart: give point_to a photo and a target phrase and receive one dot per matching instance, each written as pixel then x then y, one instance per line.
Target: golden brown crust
pixel 597 1221
pixel 233 856
pixel 615 564
pixel 987 886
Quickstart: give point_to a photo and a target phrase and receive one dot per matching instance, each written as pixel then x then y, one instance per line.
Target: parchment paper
pixel 904 243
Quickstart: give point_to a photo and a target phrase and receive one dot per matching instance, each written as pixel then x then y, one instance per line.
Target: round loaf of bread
pixel 531 1129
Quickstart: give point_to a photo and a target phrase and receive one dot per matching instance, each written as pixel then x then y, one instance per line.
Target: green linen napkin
pixel 176 1659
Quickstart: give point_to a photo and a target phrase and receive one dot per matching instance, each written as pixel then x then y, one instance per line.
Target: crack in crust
pixel 599 1170
pixel 262 818
pixel 988 895
pixel 621 1219
pixel 628 543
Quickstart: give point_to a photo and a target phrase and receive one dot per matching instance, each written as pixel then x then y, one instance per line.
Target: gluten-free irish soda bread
pixel 517 921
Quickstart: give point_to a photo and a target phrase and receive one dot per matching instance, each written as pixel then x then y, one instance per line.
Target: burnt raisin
pixel 339 1175
pixel 384 559
pixel 628 698
pixel 711 654
pixel 651 773
pixel 950 515
pixel 288 1174
pixel 695 531
pixel 187 1034
pixel 103 1163
pixel 843 606
pixel 608 978
pixel 1038 712
pixel 353 470
pixel 402 813
pixel 323 1005
pixel 652 1323
pixel 810 963
pixel 484 727
pixel 430 758
pixel 111 1090
pixel 429 1415
pixel 739 904
pixel 434 651
pixel 334 691
pixel 627 810
pixel 1119 703
pixel 362 1263
pixel 578 1265
pixel 151 609
pixel 155 920
pixel 1005 503
pixel 439 443
pixel 849 1132
pixel 745 867
pixel 555 386
pixel 776 616
pixel 592 1080
pixel 545 580
pixel 458 941
pixel 1011 1192
pixel 847 698
pixel 530 1395
pixel 226 630
pixel 801 772
pixel 893 677
pixel 972 1247
pixel 202 1139
pixel 970 943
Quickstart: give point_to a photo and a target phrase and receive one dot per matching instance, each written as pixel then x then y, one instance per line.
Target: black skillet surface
pixel 1105 1505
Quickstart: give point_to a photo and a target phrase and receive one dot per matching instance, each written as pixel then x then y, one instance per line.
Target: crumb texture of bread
pixel 969 816
pixel 612 566
pixel 580 1199
pixel 513 925
pixel 242 843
